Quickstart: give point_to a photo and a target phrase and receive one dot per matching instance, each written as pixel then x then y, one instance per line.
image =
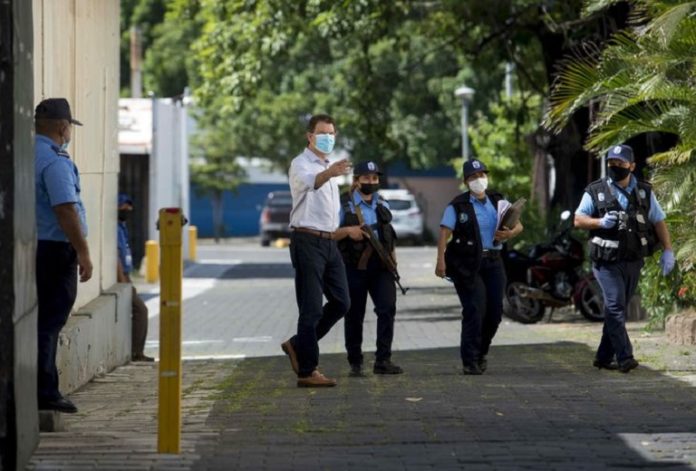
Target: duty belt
pixel 494 254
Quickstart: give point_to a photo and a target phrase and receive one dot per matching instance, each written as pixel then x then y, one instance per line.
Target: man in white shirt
pixel 318 264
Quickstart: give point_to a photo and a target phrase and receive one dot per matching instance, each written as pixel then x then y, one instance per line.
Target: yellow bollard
pixel 193 242
pixel 172 269
pixel 151 261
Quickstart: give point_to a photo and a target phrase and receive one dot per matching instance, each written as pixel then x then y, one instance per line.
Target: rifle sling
pixel 374 241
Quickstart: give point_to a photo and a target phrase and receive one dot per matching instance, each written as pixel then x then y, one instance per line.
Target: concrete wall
pixel 96 339
pixel 18 415
pixel 76 53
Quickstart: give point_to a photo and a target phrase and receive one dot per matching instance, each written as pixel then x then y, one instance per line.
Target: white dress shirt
pixel 313 208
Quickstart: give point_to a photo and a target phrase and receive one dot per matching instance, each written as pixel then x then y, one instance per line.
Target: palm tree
pixel 643 81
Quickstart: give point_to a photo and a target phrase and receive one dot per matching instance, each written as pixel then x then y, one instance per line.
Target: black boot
pixel 356 370
pixel 386 367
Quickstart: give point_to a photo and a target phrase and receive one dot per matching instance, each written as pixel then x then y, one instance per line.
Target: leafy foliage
pixel 644 82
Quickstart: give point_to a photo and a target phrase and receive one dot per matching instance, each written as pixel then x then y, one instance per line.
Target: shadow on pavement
pixel 539 406
pixel 241 271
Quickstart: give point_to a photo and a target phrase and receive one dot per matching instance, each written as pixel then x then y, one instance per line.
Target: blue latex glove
pixel 609 220
pixel 667 262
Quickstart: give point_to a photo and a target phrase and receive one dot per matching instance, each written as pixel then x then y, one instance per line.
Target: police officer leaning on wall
pixel 626 223
pixel 62 248
pixel 471 259
pixel 365 270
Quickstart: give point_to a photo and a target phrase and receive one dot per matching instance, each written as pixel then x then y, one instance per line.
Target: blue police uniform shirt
pixel 369 210
pixel 124 251
pixel 486 215
pixel 57 182
pixel 656 214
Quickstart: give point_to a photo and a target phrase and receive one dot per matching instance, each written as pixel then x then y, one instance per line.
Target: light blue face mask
pixel 325 143
pixel 64 146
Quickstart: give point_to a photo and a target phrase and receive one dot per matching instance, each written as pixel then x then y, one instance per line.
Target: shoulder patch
pixel 463 218
pixel 600 196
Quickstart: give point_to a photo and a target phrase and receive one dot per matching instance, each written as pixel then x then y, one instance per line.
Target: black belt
pixel 492 254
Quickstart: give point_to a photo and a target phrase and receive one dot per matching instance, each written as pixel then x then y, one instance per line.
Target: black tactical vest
pixel 634 236
pixel 464 251
pixel 352 250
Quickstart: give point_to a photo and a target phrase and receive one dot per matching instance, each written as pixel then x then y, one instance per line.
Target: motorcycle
pixel 550 275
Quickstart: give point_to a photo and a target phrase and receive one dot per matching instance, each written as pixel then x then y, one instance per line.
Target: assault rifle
pixel 377 246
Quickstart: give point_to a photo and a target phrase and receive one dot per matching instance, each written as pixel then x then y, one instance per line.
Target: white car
pixel 407 216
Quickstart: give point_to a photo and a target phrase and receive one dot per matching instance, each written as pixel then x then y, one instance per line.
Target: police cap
pixel 55 108
pixel 473 166
pixel 364 168
pixel 621 152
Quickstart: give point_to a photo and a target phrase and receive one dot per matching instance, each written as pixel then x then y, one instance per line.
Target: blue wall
pixel 241 210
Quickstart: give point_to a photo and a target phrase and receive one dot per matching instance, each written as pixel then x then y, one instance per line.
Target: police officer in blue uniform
pixel 365 271
pixel 468 253
pixel 124 268
pixel 61 250
pixel 626 224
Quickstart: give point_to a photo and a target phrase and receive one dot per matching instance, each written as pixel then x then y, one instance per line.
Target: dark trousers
pixel 482 309
pixel 319 270
pixel 619 281
pixel 56 289
pixel 379 283
pixel 138 324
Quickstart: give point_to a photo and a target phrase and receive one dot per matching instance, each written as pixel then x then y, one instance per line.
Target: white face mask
pixel 478 185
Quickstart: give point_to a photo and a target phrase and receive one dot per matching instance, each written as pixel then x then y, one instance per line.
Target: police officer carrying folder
pixel 471 259
pixel 363 206
pixel 626 223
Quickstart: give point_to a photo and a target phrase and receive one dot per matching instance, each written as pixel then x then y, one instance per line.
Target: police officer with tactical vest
pixel 626 224
pixel 362 207
pixel 468 253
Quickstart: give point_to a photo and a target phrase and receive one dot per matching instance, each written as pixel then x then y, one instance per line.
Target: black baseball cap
pixel 473 166
pixel 55 108
pixel 364 168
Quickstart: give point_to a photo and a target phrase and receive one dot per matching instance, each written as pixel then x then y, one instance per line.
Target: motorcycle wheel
pixel 590 302
pixel 523 310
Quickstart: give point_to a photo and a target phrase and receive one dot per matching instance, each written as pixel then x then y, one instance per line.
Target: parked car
pixel 408 218
pixel 274 222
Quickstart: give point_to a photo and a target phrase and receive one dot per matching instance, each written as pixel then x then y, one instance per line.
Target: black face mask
pixel 618 173
pixel 369 188
pixel 123 215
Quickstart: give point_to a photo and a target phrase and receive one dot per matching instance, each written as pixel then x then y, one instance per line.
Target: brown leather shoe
pixel 317 380
pixel 290 352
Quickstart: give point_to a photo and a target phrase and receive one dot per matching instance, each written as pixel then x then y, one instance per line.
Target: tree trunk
pixel 218 213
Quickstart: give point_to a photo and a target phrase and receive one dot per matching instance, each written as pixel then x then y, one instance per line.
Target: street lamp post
pixel 466 94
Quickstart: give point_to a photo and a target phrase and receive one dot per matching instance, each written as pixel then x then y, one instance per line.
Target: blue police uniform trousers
pixel 379 283
pixel 619 281
pixel 56 289
pixel 482 309
pixel 319 270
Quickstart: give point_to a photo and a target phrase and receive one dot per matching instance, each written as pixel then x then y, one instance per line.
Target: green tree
pixel 643 82
pixel 215 169
pixel 145 14
pixel 169 65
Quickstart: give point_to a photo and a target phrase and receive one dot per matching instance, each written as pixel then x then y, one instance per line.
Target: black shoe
pixel 607 365
pixel 60 405
pixel 472 370
pixel 356 371
pixel 483 364
pixel 386 367
pixel 141 357
pixel 627 365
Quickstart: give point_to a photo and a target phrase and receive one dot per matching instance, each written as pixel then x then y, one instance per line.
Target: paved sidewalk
pixel 540 406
